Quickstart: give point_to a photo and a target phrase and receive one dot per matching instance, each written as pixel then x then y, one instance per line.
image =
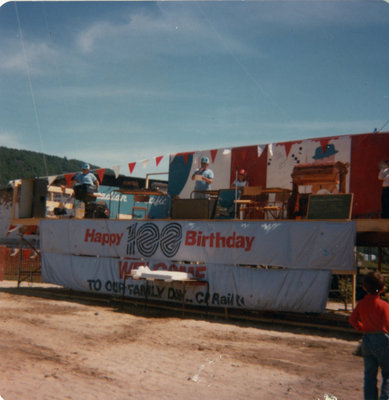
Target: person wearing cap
pixel 241 180
pixel 203 177
pixel 86 178
pixel 371 317
pixel 384 177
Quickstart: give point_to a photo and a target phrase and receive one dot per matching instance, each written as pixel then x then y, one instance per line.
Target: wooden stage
pixel 372 232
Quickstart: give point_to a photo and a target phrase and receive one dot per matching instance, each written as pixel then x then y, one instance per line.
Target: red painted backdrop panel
pixel 367 151
pixel 247 158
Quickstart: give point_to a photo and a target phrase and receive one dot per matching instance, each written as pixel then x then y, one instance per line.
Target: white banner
pixel 290 244
pixel 227 285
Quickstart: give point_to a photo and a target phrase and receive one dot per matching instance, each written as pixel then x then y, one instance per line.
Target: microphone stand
pixel 236 193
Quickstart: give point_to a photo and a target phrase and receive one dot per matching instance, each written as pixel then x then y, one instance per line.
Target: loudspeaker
pixel 39 198
pixel 26 198
pixel 96 210
pixel 33 194
pixel 193 208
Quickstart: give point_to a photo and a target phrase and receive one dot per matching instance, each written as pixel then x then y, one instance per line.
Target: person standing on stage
pixel 241 180
pixel 384 177
pixel 203 178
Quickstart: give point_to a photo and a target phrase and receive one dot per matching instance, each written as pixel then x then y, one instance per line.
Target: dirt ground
pixel 69 349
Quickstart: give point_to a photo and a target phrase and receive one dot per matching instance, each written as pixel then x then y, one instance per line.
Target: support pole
pixel 236 194
pixel 20 257
pixel 379 257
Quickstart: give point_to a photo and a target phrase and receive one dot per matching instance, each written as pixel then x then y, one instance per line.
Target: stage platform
pixel 372 232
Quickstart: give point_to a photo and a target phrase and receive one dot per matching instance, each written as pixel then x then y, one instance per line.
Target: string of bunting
pixel 101 171
pixel 185 155
pixel 213 153
pixel 145 163
pixel 68 177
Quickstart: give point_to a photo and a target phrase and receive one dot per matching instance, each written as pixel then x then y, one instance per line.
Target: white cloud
pixel 172 30
pixel 96 32
pixel 10 140
pixel 33 56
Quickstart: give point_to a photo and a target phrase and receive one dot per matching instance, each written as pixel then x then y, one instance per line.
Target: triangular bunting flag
pixel 14 252
pixel 116 169
pixel 100 173
pixel 158 160
pixel 185 156
pixel 288 146
pixel 51 179
pixel 68 178
pixel 31 230
pixel 270 149
pixel 260 150
pixel 26 253
pixel 131 166
pixel 145 163
pixel 324 143
pixel 13 228
pixel 213 155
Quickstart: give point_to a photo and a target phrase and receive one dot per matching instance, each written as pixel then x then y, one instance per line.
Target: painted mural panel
pixel 353 161
pixel 284 157
pixel 182 167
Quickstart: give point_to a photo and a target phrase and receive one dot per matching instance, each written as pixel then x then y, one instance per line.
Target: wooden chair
pixel 273 208
pixel 252 201
pixel 277 204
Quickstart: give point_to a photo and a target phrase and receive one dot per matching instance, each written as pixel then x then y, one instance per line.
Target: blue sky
pixel 118 82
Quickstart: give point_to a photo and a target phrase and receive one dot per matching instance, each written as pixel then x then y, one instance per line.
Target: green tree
pixel 24 164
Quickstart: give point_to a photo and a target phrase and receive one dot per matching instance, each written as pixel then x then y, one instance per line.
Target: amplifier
pixel 193 208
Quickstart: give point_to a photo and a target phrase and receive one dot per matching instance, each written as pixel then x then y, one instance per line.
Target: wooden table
pixel 211 193
pixel 258 201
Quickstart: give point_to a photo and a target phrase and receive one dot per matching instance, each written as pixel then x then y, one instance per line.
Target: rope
pixel 30 86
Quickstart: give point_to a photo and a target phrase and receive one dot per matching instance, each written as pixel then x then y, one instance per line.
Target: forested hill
pixel 17 164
